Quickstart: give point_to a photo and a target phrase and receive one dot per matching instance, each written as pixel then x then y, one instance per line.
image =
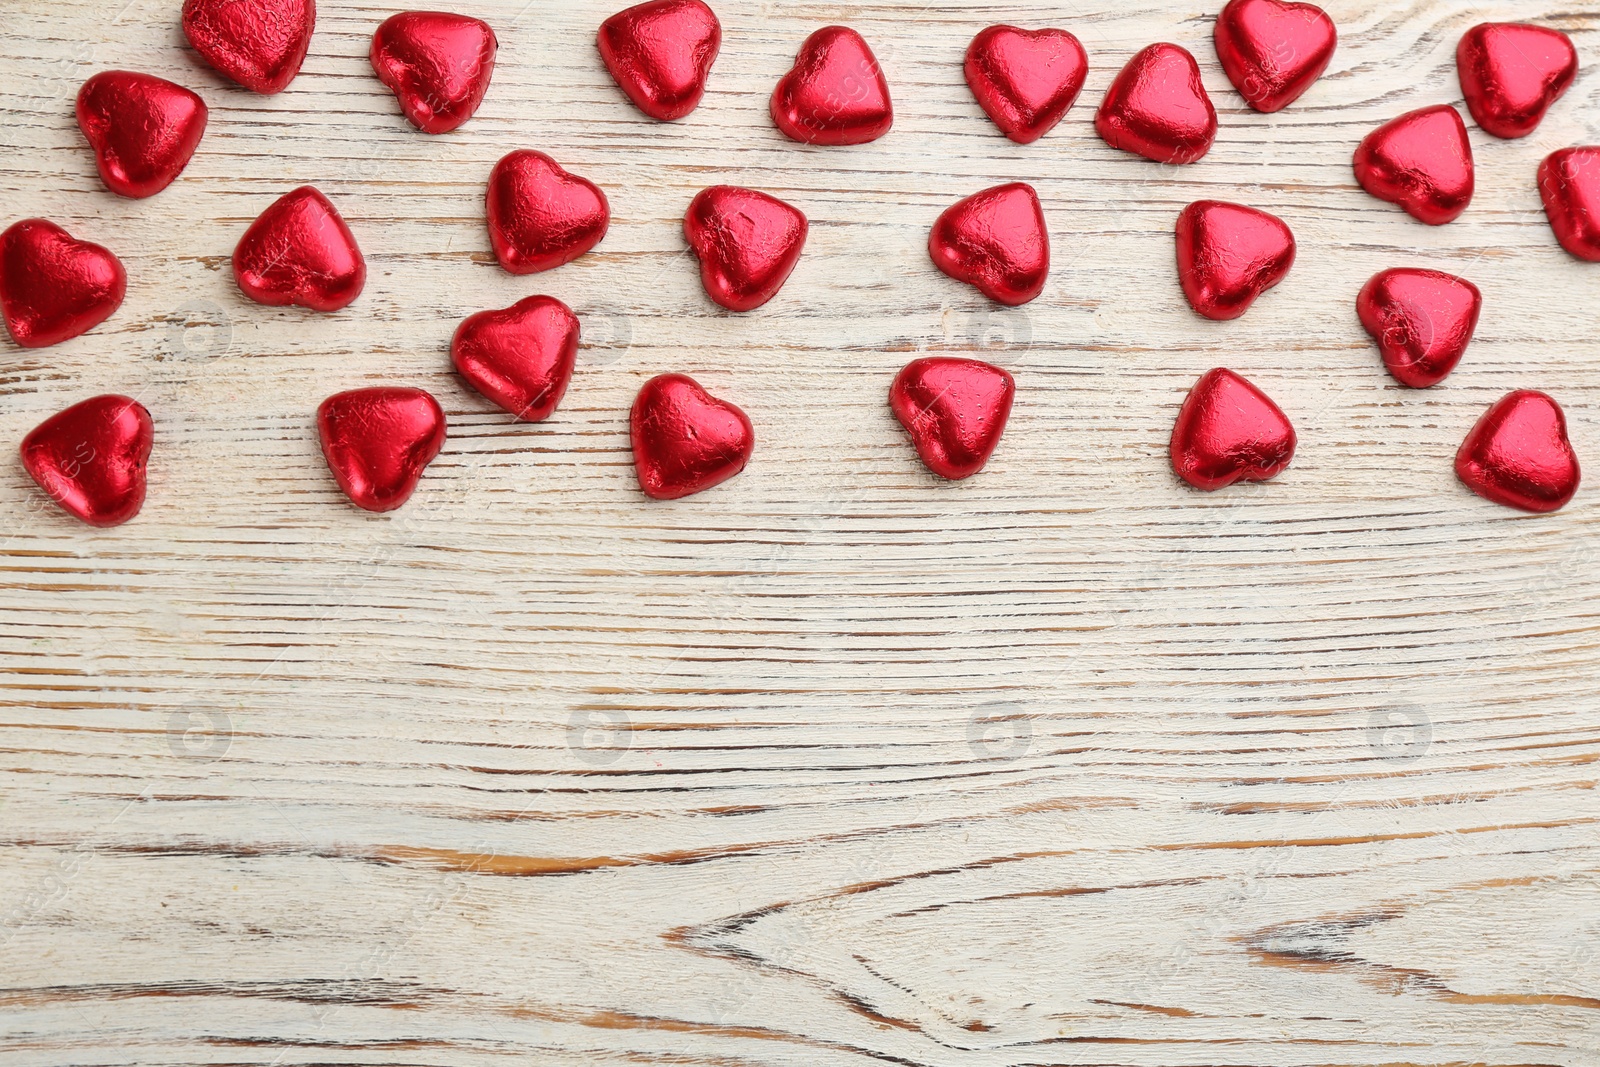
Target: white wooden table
pixel 835 764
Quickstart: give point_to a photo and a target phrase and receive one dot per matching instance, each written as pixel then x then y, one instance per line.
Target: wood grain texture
pixel 835 764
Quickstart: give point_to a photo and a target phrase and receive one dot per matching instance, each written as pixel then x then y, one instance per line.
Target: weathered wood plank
pixel 833 765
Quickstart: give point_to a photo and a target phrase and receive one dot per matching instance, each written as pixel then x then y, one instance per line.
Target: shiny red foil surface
pixel 1026 80
pixel 1512 72
pixel 1569 184
pixel 260 44
pixel 300 252
pixel 995 241
pixel 1272 51
pixel 955 411
pixel 1518 454
pixel 53 286
pixel 143 130
pixel 748 244
pixel 1423 321
pixel 661 54
pixel 520 357
pixel 91 459
pixel 1421 161
pixel 379 441
pixel 1228 255
pixel 540 215
pixel 1158 108
pixel 836 94
pixel 1229 431
pixel 685 440
pixel 438 65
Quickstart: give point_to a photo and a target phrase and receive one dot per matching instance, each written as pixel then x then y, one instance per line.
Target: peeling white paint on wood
pixel 835 764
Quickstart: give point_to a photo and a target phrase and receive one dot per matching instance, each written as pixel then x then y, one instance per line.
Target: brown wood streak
pixel 1399 979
